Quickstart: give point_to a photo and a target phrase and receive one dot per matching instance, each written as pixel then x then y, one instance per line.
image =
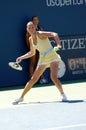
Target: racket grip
pixel 18 62
pixel 56 48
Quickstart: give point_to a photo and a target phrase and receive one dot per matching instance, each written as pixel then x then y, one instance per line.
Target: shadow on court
pixel 69 115
pixel 68 101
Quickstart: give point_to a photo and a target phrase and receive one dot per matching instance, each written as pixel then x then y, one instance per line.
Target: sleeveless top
pixel 46 51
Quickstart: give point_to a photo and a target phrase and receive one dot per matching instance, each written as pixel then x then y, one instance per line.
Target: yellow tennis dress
pixel 46 51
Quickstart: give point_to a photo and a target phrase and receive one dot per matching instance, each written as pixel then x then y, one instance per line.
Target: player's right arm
pixel 28 54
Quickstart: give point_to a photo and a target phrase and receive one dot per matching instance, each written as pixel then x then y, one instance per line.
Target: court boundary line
pixel 66 126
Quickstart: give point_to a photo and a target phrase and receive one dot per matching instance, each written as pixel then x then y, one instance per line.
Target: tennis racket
pixel 15 65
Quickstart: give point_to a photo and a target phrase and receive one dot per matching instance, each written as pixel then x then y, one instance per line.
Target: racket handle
pixel 56 48
pixel 18 62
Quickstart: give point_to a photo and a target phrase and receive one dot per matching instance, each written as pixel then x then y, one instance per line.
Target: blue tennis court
pixel 41 109
pixel 69 115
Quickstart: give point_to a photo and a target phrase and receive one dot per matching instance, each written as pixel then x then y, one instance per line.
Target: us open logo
pixel 62 3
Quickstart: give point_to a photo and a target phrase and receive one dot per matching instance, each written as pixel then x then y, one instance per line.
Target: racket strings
pixel 16 65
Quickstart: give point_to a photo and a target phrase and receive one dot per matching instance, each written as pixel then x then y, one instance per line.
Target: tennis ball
pixel 56 48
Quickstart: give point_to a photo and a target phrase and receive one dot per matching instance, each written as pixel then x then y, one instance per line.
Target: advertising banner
pixel 66 17
pixel 73 54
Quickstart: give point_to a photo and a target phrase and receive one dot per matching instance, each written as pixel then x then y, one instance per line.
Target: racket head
pixel 15 65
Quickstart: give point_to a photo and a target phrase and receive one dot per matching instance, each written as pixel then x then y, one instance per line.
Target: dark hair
pixel 33 17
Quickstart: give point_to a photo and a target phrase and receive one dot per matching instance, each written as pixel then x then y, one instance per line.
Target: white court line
pixel 63 127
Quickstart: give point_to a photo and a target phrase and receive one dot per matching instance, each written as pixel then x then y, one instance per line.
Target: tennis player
pixel 48 58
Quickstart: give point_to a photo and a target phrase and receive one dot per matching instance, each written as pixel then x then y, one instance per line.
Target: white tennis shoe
pixel 64 98
pixel 15 102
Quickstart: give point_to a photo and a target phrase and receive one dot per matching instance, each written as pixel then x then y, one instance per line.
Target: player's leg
pixel 56 81
pixel 39 70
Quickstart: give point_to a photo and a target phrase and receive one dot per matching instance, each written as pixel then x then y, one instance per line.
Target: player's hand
pixel 59 46
pixel 19 59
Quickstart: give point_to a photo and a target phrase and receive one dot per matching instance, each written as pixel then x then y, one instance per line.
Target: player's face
pixel 31 28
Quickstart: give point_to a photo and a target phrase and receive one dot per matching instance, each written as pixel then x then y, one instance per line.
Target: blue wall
pixel 68 19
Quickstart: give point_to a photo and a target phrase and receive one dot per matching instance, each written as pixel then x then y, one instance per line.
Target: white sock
pixel 63 96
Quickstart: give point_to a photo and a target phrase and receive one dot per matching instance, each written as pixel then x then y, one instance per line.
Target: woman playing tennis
pixel 48 58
